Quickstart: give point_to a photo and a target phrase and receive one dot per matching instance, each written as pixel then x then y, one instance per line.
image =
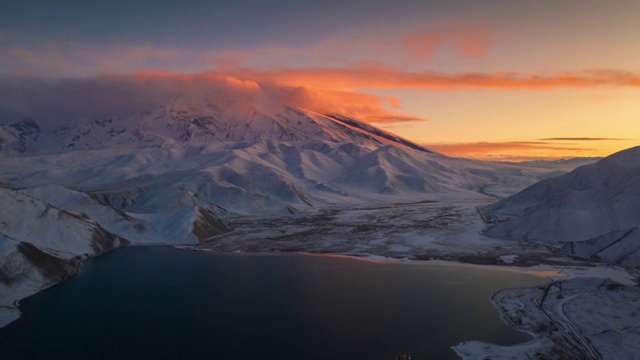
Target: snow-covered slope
pixel 194 120
pixel 594 210
pixel 172 172
pixel 46 231
pixel 240 157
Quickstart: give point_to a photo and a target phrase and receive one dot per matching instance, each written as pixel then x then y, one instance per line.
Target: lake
pixel 166 303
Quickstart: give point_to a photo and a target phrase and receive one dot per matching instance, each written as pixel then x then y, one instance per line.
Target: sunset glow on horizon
pixel 497 80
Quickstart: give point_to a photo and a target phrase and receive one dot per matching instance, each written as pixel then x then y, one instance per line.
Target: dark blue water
pixel 164 303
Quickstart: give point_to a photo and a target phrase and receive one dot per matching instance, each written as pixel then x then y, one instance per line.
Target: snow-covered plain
pixel 240 176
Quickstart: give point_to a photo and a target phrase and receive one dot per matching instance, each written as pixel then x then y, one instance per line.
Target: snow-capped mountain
pixel 247 138
pixel 172 172
pixel 188 121
pixel 594 211
pixel 46 231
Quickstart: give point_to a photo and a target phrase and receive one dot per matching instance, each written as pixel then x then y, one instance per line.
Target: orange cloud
pixel 122 94
pixel 510 151
pixel 388 119
pixel 338 89
pixel 380 77
pixel 73 58
pixel 583 139
pixel 467 41
pixel 366 107
pixel 351 69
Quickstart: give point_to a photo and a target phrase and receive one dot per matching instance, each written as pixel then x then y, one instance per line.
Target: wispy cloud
pixel 584 139
pixel 385 77
pixel 388 119
pixel 326 89
pixel 337 65
pixel 74 58
pixel 493 146
pixel 473 41
pixel 509 151
pixel 366 107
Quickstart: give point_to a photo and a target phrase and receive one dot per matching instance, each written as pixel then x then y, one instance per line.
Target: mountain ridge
pixel 177 173
pixel 593 207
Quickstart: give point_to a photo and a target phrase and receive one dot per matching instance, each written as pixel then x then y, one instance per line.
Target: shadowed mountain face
pixel 594 210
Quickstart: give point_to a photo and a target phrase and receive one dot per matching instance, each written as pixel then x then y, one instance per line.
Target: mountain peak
pixel 199 121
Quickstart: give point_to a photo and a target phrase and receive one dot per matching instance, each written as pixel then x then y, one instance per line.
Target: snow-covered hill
pixel 46 231
pixel 172 173
pixel 593 211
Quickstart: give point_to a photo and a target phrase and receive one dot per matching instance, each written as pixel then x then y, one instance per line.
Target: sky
pixel 501 80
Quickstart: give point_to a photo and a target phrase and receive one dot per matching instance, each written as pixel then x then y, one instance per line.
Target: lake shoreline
pixel 405 272
pixel 548 271
pixel 466 350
